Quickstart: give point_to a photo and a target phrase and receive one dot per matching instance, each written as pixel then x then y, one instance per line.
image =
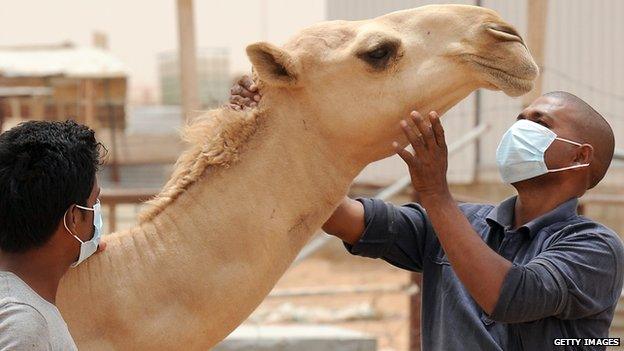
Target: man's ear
pixel 585 154
pixel 273 65
pixel 76 215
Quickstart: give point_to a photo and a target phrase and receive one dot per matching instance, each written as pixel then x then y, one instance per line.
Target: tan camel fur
pixel 255 185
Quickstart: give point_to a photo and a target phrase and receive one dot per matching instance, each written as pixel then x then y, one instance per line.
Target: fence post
pixel 414 310
pixel 415 303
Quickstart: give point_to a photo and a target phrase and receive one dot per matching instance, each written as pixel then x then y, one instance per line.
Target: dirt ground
pixel 334 266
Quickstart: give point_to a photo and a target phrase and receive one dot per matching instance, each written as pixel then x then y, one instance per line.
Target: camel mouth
pixel 513 80
pixel 509 83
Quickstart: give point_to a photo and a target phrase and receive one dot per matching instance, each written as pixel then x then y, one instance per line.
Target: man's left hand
pixel 101 247
pixel 244 94
pixel 429 162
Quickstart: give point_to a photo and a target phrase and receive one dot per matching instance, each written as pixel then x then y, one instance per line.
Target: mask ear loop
pixel 569 141
pixel 569 167
pixel 67 228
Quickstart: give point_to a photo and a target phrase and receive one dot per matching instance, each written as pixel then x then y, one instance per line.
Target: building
pixel 213 72
pixel 59 82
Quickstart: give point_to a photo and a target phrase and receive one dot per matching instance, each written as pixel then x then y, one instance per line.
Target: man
pixel 50 220
pixel 515 276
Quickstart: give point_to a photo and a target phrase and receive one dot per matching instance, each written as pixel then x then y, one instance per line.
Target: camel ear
pixel 273 65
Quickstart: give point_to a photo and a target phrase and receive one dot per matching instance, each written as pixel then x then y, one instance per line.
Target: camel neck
pixel 283 163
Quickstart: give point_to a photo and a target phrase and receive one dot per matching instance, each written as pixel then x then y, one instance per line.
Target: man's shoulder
pixel 475 210
pixel 14 310
pixel 22 326
pixel 13 289
pixel 586 230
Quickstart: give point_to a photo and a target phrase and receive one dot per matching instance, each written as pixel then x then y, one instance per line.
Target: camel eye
pixel 378 54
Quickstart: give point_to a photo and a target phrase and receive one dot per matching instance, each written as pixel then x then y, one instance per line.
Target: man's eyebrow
pixel 540 115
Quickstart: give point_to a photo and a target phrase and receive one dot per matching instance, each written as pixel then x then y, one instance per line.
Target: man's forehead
pixel 553 106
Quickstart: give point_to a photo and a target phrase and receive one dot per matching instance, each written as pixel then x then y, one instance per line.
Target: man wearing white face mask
pixel 51 221
pixel 517 276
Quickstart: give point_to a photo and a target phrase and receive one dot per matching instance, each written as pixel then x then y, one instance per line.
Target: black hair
pixel 44 168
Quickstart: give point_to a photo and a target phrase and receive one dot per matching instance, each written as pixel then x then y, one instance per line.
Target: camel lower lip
pixel 485 63
pixel 505 73
pixel 508 82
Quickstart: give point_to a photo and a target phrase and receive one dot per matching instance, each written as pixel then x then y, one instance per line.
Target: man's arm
pixel 374 228
pixel 480 269
pixel 22 328
pixel 578 275
pixel 347 221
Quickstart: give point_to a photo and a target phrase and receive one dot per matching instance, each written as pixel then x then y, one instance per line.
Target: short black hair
pixel 44 168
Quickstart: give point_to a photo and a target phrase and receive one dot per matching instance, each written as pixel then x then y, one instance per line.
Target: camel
pixel 255 185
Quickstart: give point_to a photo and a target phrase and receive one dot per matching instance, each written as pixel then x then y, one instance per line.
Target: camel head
pixel 356 79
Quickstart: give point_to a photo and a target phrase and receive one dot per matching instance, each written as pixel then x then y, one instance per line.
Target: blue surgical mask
pixel 88 248
pixel 520 154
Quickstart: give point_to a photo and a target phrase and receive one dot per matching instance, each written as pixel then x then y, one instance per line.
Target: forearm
pixel 480 269
pixel 347 221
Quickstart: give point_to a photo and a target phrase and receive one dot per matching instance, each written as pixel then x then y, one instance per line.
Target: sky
pixel 138 30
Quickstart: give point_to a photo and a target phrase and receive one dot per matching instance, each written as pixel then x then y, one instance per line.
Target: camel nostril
pixel 504 32
pixel 505 29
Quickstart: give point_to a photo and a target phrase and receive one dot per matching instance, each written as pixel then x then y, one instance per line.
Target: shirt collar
pixel 503 215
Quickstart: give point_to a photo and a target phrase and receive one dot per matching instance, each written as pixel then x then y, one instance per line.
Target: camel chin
pixel 509 84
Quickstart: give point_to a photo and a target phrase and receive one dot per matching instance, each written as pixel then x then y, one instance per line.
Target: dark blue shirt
pixel 565 280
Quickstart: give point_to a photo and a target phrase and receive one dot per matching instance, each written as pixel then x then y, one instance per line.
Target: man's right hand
pixel 244 94
pixel 347 221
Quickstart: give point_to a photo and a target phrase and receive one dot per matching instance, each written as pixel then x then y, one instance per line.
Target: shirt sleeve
pixel 576 277
pixel 396 234
pixel 22 328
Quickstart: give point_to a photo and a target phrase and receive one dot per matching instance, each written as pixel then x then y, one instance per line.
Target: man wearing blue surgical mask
pixel 50 221
pixel 521 275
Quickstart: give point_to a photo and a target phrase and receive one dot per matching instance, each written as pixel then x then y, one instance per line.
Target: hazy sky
pixel 139 29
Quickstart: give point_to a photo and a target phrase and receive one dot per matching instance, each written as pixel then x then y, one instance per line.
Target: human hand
pixel 101 247
pixel 244 94
pixel 429 162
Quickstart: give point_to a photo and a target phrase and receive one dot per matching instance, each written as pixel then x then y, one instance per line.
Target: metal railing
pixel 618 155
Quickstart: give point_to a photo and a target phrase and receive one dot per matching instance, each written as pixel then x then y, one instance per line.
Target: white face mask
pixel 520 153
pixel 88 248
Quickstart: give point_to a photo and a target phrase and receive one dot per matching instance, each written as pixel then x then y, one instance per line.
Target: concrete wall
pixel 296 338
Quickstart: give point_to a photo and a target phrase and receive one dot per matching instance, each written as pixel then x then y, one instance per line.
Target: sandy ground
pixel 333 266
